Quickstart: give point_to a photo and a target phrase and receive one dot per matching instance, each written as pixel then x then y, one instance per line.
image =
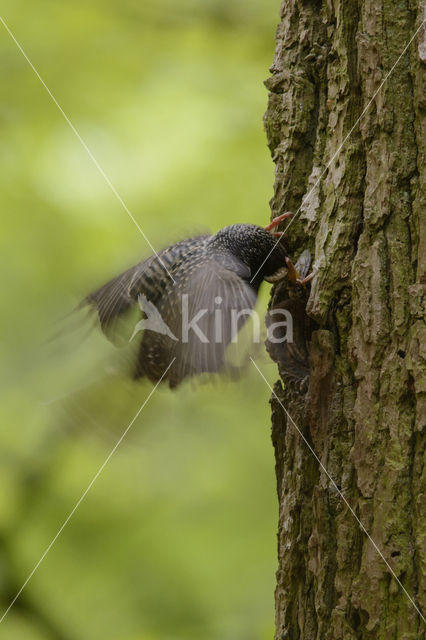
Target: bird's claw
pixel 276 221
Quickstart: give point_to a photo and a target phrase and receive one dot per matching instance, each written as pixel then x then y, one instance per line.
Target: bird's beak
pixel 277 276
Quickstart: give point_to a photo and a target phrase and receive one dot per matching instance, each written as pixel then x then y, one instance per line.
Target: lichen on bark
pixel 360 201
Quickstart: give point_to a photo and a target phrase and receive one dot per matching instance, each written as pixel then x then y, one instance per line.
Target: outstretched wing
pixel 114 299
pixel 204 309
pixel 206 312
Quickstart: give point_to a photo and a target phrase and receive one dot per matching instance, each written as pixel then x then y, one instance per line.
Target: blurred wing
pixel 219 300
pixel 193 321
pixel 114 299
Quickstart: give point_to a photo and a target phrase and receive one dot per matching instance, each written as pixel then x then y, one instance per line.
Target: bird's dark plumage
pixel 292 356
pixel 219 273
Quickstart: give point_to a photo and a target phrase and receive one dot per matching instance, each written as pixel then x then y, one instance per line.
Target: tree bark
pixel 364 410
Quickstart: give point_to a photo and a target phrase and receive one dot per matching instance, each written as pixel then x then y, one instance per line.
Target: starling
pixel 208 282
pixel 292 355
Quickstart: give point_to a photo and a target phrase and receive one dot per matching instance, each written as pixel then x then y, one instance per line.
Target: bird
pixel 292 353
pixel 195 296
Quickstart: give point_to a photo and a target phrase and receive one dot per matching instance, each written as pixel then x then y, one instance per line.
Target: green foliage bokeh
pixel 176 539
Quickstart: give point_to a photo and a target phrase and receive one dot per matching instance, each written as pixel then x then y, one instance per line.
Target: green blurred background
pixel 176 539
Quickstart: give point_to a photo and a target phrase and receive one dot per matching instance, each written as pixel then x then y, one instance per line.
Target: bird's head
pixel 257 247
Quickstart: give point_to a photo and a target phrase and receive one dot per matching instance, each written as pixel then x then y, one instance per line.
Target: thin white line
pixel 92 482
pixel 342 496
pixel 340 148
pixel 92 157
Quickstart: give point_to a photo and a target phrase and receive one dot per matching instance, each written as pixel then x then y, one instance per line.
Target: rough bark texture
pixel 365 409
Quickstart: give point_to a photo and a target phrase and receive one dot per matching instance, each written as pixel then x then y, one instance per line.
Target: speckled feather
pixel 203 267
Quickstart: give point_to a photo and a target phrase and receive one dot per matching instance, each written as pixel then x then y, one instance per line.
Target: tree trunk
pixel 364 410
